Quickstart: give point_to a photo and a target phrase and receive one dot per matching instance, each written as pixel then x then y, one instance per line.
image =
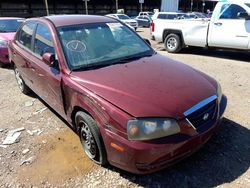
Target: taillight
pixel 153 26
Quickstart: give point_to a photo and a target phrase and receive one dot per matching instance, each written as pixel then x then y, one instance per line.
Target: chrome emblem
pixel 206 116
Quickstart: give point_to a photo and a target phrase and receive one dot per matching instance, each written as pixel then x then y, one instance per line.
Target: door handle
pixel 218 23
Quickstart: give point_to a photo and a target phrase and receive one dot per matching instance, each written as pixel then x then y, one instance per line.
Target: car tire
pixel 172 43
pixel 90 138
pixel 21 84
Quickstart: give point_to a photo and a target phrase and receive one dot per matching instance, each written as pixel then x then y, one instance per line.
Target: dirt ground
pixel 49 154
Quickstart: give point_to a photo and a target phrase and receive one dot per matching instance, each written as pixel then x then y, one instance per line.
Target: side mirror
pixel 243 15
pixel 49 59
pixel 147 41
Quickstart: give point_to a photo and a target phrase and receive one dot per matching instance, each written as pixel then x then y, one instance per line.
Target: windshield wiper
pixel 119 61
pixel 132 58
pixel 89 67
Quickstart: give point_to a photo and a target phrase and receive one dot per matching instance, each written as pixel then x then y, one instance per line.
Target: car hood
pixel 7 36
pixel 153 86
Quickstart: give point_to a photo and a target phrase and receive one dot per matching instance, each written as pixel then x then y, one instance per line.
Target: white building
pixel 169 5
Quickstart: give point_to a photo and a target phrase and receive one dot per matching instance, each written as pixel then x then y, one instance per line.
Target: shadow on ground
pixel 222 160
pixel 224 54
pixel 6 66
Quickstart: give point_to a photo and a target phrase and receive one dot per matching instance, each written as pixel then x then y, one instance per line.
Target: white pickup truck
pixel 229 27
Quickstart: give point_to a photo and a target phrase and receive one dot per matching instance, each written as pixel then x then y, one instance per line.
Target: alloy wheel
pixel 88 141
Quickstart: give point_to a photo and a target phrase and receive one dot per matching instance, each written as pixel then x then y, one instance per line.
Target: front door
pixel 48 79
pixel 228 30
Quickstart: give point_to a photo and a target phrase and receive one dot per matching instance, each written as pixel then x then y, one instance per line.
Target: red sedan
pixel 8 27
pixel 130 106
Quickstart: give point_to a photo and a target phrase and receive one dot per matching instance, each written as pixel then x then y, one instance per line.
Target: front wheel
pixel 90 138
pixel 172 43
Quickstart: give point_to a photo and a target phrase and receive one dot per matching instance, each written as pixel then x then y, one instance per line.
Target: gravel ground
pixel 49 154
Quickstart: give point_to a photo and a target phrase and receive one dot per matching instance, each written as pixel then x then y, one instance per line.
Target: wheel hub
pixel 171 43
pixel 88 141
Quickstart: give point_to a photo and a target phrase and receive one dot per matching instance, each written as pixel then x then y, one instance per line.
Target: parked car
pixel 8 27
pixel 146 14
pixel 143 21
pixel 228 28
pixel 126 19
pixel 130 106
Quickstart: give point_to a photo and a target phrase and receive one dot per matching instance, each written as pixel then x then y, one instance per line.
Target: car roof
pixel 11 18
pixel 64 20
pixel 117 14
pixel 170 13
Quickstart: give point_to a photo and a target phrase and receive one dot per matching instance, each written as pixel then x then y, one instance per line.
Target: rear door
pixel 22 51
pixel 47 79
pixel 229 31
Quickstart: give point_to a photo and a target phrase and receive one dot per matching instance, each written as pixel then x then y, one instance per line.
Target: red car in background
pixel 8 27
pixel 130 106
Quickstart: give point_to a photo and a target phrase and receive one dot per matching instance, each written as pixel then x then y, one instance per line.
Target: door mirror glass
pixel 49 59
pixel 243 15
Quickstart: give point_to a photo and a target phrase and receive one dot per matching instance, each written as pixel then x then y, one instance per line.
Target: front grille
pixel 205 115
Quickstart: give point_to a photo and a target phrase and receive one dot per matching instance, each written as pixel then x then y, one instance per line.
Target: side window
pixel 172 16
pixel 162 16
pixel 43 41
pixel 25 34
pixel 230 11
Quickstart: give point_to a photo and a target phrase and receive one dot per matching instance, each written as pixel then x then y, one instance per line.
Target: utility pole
pixel 46 6
pixel 86 6
pixel 203 6
pixel 191 5
pixel 116 5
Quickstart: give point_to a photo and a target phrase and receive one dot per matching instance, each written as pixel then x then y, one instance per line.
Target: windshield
pixel 248 4
pixel 123 17
pixel 8 26
pixel 100 44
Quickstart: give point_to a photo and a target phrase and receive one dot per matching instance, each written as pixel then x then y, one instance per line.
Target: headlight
pixel 3 43
pixel 219 91
pixel 151 128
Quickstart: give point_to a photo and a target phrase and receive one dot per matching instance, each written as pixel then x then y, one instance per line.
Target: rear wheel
pixel 90 138
pixel 172 43
pixel 21 84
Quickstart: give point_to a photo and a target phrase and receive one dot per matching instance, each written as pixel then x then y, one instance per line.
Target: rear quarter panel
pixel 194 31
